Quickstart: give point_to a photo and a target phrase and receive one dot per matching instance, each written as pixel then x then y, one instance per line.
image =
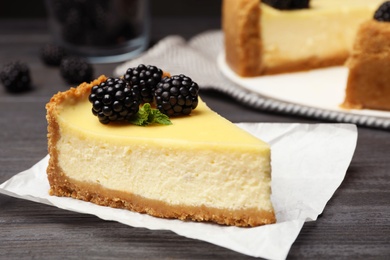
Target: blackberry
pixel 143 80
pixel 287 4
pixel 15 77
pixel 52 54
pixel 60 9
pixel 176 95
pixel 300 4
pixel 113 100
pixel 382 14
pixel 97 20
pixel 76 70
pixel 73 27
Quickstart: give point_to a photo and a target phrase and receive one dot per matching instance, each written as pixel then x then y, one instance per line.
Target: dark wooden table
pixel 355 223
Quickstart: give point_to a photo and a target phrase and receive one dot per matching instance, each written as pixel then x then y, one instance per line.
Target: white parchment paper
pixel 309 162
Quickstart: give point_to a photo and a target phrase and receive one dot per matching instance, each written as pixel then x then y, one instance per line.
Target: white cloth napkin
pixel 198 58
pixel 309 162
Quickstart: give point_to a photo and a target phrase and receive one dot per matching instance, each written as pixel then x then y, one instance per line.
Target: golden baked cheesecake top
pixel 73 110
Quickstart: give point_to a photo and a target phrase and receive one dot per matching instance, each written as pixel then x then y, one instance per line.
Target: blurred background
pixel 168 17
pixel 36 9
pixel 160 10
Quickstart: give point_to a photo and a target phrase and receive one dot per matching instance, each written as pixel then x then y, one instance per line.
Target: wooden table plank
pixel 355 223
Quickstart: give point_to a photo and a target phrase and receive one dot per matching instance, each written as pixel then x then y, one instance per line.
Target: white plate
pixel 321 88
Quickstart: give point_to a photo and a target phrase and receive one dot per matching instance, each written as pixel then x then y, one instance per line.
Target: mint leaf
pixel 160 118
pixel 141 117
pixel 148 115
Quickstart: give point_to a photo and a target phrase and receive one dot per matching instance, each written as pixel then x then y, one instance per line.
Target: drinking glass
pixel 102 31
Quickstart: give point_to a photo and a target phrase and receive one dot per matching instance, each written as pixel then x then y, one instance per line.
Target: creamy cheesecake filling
pixel 324 31
pixel 158 163
pixel 173 174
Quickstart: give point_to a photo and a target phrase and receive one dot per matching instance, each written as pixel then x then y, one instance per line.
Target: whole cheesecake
pixel 260 39
pixel 369 68
pixel 201 167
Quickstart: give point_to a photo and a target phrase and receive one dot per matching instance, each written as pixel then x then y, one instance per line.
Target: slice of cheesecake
pixel 260 39
pixel 201 168
pixel 369 68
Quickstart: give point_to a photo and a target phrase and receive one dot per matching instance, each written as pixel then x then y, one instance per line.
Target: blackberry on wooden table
pixel 52 54
pixel 15 77
pixel 76 70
